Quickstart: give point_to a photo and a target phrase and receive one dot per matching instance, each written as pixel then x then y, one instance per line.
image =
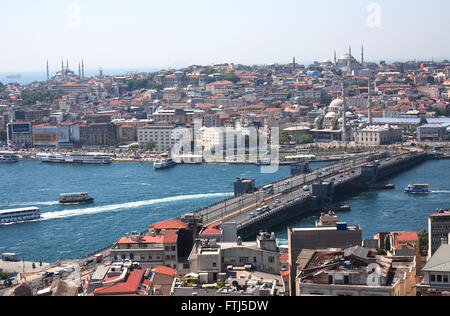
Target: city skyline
pixel 136 36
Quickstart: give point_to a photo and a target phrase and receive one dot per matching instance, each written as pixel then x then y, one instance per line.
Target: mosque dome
pixel 336 103
pixel 330 115
pixel 350 115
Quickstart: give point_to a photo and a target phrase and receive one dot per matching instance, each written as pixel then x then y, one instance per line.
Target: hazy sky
pixel 147 33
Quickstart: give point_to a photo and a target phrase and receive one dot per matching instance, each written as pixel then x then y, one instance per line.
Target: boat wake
pixel 126 206
pixel 444 191
pixel 24 204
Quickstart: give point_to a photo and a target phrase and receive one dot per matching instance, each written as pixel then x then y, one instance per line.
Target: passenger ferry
pixel 264 162
pixel 20 215
pixel 76 158
pixel 8 157
pixel 75 198
pixel 417 188
pixel 164 164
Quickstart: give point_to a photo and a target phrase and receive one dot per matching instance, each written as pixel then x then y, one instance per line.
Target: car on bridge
pixel 252 215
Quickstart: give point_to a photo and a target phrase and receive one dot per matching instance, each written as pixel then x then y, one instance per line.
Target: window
pixel 439 278
pixel 445 278
pixel 433 278
pixel 330 279
pixel 214 265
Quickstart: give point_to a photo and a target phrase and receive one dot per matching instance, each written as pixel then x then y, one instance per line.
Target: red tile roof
pixel 164 270
pixel 407 236
pixel 130 286
pixel 170 224
pixel 212 229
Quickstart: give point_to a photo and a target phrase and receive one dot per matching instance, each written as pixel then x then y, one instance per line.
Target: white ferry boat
pixel 164 164
pixel 417 189
pixel 264 162
pixel 76 158
pixel 19 215
pixel 8 157
pixel 75 198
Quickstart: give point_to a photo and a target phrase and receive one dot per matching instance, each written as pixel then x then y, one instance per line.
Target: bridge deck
pixel 289 192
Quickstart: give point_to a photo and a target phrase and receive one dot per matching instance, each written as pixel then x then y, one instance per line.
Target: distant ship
pixel 417 189
pixel 75 198
pixel 76 158
pixel 164 164
pixel 20 215
pixel 14 76
pixel 8 157
pixel 264 162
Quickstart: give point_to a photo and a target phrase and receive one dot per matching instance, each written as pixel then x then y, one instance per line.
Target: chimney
pixel 239 241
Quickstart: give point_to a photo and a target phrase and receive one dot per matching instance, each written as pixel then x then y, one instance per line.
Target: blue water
pixel 393 210
pixel 128 196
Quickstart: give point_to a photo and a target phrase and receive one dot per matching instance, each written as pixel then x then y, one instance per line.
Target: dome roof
pixel 347 56
pixel 337 103
pixel 330 115
pixel 349 114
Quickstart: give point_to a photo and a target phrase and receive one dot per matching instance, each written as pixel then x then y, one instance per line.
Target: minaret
pixel 79 70
pixel 62 67
pixel 335 57
pixel 362 55
pixel 369 104
pixel 293 62
pixel 48 72
pixel 344 111
pixel 67 64
pixel 350 50
pixel 82 68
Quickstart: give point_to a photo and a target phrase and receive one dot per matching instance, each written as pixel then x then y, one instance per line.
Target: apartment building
pixel 354 271
pixel 151 251
pixel 378 135
pixel 339 236
pixel 161 134
pixel 436 281
pixel 211 259
pixel 438 230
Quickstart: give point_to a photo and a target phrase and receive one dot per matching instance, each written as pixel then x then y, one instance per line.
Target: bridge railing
pixel 221 209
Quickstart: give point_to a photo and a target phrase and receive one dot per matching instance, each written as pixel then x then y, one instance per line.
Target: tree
pixel 387 243
pixel 31 97
pixel 447 138
pixel 307 139
pixel 423 121
pixel 284 137
pixel 231 76
pixel 145 83
pixel 423 241
pixel 149 146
